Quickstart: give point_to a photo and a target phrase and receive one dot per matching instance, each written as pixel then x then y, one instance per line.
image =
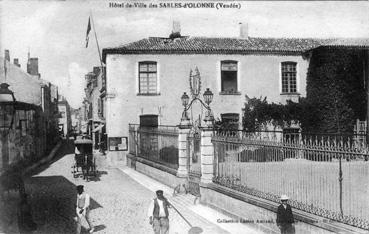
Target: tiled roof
pixel 208 45
pixel 347 42
pixel 215 45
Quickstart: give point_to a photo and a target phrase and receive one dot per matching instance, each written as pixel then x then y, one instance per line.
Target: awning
pixel 98 128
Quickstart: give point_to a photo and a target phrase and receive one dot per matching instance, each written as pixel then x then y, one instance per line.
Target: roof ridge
pixel 271 38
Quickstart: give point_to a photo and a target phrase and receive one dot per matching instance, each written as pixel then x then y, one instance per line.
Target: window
pixel 100 107
pixel 230 120
pixel 147 78
pixel 149 121
pixel 289 77
pixel 229 76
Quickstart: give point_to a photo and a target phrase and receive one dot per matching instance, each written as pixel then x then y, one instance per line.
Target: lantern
pixel 7 107
pixel 208 96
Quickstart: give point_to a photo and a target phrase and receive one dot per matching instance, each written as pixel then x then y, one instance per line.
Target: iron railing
pixel 327 177
pixel 194 162
pixel 157 144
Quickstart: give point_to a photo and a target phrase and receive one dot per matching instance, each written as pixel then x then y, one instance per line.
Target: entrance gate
pixel 194 136
pixel 194 160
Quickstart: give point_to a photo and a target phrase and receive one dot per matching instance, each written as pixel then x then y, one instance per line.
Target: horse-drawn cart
pixel 84 159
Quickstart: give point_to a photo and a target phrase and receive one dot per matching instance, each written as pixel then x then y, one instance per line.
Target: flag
pixel 5 69
pixel 88 31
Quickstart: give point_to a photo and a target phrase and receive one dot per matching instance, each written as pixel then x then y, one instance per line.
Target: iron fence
pixel 326 177
pixel 194 162
pixel 157 144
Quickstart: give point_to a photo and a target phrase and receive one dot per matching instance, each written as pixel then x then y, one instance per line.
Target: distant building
pixel 75 119
pixel 32 66
pixel 95 100
pixel 65 121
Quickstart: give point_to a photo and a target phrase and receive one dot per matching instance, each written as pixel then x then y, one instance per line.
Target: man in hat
pixel 285 217
pixel 158 213
pixel 82 209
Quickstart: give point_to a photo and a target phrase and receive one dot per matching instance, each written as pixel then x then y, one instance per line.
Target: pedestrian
pixel 83 209
pixel 25 220
pixel 158 213
pixel 285 220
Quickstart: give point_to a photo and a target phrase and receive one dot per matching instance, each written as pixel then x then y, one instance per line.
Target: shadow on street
pixel 53 200
pixel 66 148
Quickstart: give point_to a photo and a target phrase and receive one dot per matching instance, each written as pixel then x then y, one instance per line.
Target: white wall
pixel 258 75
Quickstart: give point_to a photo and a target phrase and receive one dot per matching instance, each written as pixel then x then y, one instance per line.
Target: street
pixel 118 203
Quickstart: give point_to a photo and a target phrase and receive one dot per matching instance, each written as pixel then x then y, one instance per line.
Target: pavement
pixel 198 215
pixel 119 201
pixel 120 197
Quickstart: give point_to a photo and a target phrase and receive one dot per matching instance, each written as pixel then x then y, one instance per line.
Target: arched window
pixel 147 77
pixel 229 71
pixel 288 71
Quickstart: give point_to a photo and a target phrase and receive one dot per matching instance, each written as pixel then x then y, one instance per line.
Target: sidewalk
pixel 198 215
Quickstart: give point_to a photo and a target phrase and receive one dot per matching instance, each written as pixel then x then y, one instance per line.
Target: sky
pixel 55 31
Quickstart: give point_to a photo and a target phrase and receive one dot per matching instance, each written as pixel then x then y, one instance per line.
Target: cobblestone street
pixel 118 203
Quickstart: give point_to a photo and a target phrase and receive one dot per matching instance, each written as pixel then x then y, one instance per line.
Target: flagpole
pixel 97 42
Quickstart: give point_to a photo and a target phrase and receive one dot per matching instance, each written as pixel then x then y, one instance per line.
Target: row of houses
pixel 36 120
pixel 91 115
pixel 146 78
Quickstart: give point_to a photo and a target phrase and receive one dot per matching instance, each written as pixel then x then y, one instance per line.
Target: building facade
pixel 148 77
pixel 95 103
pixel 65 121
pixel 34 128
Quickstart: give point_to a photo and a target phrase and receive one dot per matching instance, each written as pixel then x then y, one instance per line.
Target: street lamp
pixel 185 120
pixel 7 108
pixel 7 113
pixel 195 87
pixel 208 98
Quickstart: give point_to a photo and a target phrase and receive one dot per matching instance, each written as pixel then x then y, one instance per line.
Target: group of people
pixel 158 214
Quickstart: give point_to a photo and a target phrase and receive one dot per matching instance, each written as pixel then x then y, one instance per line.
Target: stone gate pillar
pixel 207 156
pixel 182 151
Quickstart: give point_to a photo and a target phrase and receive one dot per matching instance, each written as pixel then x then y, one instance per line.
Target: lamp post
pixel 208 98
pixel 7 113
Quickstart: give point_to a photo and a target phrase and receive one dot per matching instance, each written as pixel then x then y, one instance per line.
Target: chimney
pixel 96 70
pixel 244 34
pixel 176 31
pixel 32 67
pixel 7 55
pixel 16 62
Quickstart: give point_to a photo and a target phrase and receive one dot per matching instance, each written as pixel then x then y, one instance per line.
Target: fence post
pixel 182 151
pixel 207 155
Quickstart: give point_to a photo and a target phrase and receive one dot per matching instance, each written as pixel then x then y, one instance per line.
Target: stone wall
pixel 156 171
pixel 26 141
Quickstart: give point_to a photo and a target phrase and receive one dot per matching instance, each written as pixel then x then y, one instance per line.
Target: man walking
pixel 158 213
pixel 82 209
pixel 285 218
